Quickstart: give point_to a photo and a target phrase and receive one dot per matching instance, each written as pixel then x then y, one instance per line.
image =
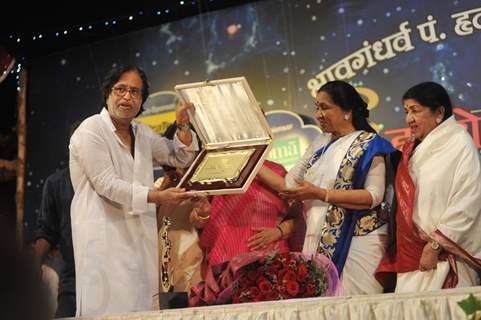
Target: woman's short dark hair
pixel 348 99
pixel 431 95
pixel 113 77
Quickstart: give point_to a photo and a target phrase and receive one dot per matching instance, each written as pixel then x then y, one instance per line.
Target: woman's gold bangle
pixel 201 217
pixel 326 198
pixel 280 230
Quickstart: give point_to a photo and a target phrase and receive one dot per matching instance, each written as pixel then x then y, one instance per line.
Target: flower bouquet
pixel 285 276
pixel 256 277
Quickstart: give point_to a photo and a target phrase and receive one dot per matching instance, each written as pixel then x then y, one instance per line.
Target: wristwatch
pixel 435 245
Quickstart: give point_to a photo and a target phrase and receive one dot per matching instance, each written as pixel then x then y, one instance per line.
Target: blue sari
pixel 341 223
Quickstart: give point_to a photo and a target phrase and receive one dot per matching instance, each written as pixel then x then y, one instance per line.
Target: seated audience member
pixel 438 187
pixel 186 254
pixel 235 224
pixel 23 295
pixel 239 223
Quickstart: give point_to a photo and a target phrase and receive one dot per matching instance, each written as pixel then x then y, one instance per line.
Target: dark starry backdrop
pixel 278 45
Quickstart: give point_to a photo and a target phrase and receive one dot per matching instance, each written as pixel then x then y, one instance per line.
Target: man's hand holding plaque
pixel 169 196
pixel 182 119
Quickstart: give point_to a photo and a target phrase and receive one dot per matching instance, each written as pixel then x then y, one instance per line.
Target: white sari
pixel 445 167
pixel 366 251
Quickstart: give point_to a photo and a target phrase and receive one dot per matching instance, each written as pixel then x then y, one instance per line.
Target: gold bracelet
pixel 201 217
pixel 326 197
pixel 282 232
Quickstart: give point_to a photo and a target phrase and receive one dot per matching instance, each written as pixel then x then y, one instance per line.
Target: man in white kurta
pixel 114 228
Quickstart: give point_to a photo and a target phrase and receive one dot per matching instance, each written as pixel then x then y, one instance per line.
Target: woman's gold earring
pixel 438 120
pixel 346 117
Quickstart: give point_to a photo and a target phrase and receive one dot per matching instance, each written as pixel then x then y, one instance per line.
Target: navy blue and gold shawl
pixel 341 223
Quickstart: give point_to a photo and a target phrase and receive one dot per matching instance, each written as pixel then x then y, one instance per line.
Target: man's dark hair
pixel 113 77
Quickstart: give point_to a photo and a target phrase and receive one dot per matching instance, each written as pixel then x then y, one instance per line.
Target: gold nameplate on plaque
pixel 222 166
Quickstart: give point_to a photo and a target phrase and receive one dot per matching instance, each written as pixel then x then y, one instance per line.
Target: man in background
pixel 54 230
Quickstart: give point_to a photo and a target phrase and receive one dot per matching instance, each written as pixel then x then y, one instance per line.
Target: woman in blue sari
pixel 341 182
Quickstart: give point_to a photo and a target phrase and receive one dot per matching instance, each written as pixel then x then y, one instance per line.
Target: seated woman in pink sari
pixel 239 223
pixel 438 189
pixel 246 227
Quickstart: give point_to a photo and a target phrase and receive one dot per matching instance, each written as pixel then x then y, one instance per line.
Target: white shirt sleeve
pixel 89 152
pixel 299 170
pixel 376 180
pixel 173 153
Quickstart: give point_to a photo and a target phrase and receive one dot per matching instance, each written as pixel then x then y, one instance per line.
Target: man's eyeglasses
pixel 121 91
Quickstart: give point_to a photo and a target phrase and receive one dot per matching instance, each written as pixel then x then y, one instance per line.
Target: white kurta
pixel 366 251
pixel 114 229
pixel 446 170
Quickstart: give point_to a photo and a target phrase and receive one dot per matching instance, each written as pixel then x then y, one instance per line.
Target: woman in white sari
pixel 341 180
pixel 438 187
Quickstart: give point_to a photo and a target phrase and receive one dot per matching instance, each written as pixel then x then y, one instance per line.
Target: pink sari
pixel 233 217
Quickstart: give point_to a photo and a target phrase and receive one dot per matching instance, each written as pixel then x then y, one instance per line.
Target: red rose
pixel 280 274
pixel 276 264
pixel 311 290
pixel 285 255
pixel 273 295
pixel 293 288
pixel 244 287
pixel 261 279
pixel 290 276
pixel 271 272
pixel 252 275
pixel 245 282
pixel 241 300
pixel 302 289
pixel 279 288
pixel 302 272
pixel 292 263
pixel 255 293
pixel 265 286
pixel 285 295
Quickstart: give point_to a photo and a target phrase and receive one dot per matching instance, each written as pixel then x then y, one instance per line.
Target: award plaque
pixel 222 166
pixel 234 132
